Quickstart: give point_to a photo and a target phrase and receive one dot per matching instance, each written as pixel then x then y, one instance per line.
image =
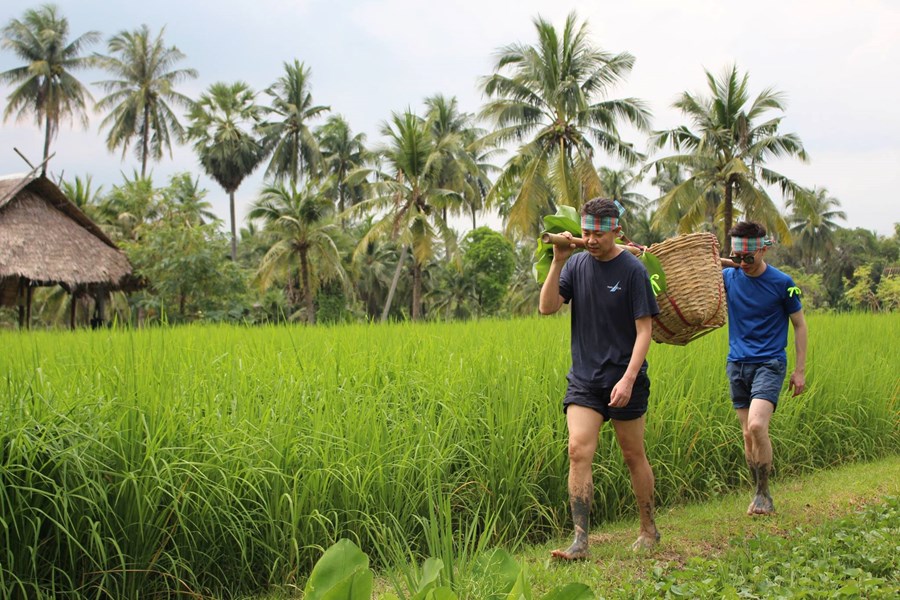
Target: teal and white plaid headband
pixel 749 244
pixel 592 223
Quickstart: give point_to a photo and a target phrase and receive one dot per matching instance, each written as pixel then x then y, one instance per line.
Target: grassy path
pixel 712 529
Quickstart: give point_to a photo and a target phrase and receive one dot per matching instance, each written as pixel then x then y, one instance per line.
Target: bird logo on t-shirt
pixel 614 288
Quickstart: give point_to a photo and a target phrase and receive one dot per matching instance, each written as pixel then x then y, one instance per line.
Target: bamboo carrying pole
pixel 561 240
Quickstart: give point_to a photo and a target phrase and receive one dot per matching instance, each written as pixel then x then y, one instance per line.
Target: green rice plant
pixel 218 460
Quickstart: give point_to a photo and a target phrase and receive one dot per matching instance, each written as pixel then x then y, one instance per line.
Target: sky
pixel 836 61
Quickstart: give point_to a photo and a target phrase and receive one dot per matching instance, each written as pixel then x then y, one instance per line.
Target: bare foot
pixel 645 541
pixel 577 551
pixel 761 505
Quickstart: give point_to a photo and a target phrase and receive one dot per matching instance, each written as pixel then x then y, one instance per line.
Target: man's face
pixel 599 243
pixel 751 263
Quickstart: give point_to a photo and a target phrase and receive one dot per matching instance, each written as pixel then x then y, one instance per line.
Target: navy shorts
pixel 755 380
pixel 598 399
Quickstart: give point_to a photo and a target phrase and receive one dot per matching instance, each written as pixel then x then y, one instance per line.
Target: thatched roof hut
pixel 46 240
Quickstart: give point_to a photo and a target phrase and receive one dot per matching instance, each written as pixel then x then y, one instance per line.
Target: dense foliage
pixel 381 242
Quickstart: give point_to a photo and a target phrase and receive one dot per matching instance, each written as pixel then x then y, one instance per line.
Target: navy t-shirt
pixel 758 313
pixel 606 299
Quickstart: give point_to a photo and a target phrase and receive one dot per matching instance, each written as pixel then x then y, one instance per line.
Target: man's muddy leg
pixel 758 417
pixel 630 435
pixel 584 428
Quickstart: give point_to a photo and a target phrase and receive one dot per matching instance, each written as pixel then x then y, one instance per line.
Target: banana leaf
pixel 565 219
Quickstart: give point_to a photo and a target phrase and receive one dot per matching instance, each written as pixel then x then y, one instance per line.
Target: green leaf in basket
pixel 655 270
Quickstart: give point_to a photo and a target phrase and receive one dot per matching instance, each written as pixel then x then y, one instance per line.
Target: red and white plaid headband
pixel 749 244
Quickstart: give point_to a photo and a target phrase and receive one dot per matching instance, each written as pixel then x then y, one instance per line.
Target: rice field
pixel 219 460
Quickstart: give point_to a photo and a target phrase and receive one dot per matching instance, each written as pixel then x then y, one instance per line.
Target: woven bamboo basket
pixel 694 301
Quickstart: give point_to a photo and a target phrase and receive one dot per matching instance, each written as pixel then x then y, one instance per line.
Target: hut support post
pixel 72 310
pixel 20 300
pixel 29 294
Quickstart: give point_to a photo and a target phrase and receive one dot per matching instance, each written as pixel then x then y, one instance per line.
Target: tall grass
pixel 213 460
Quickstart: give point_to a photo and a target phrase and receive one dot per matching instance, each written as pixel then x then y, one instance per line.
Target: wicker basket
pixel 694 301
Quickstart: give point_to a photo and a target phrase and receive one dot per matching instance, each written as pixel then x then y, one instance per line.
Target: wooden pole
pixel 29 292
pixel 72 310
pixel 20 298
pixel 561 240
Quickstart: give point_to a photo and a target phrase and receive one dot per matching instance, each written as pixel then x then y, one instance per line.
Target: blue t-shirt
pixel 759 309
pixel 606 299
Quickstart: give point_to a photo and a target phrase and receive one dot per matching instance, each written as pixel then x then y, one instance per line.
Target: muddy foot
pixel 761 505
pixel 575 552
pixel 645 542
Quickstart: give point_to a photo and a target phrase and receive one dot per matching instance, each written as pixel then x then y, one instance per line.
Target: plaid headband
pixel 749 244
pixel 592 223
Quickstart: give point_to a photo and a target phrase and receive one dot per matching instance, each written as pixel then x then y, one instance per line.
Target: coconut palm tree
pixel 141 95
pixel 82 193
pixel 725 155
pixel 294 147
pixel 342 152
pixel 464 158
pixel 373 268
pixel 131 206
pixel 185 200
pixel 554 97
pixel 618 184
pixel 304 235
pixel 406 197
pixel 812 221
pixel 44 86
pixel 224 124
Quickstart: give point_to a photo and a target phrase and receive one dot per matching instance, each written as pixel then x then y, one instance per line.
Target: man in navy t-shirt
pixel 612 306
pixel 761 301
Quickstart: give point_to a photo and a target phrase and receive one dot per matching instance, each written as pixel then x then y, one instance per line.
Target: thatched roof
pixel 47 240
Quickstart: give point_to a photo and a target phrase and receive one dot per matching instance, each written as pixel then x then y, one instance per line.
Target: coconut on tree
pixel 724 152
pixel 553 95
pixel 44 86
pixel 141 96
pixel 224 125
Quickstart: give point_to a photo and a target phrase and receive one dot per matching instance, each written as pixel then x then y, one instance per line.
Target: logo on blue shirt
pixel 614 288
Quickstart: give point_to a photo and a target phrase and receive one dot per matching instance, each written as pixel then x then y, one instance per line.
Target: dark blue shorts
pixel 598 399
pixel 755 380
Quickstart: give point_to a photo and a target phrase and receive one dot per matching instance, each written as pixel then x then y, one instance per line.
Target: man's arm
pixel 621 393
pixel 551 300
pixel 798 377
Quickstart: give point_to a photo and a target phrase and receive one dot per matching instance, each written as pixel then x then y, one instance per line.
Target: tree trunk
pixel 390 298
pixel 307 290
pixel 728 216
pixel 341 200
pixel 145 143
pixel 46 147
pixel 233 227
pixel 417 292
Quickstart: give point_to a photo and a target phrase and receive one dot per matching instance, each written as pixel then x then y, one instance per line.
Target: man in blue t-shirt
pixel 612 306
pixel 761 301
